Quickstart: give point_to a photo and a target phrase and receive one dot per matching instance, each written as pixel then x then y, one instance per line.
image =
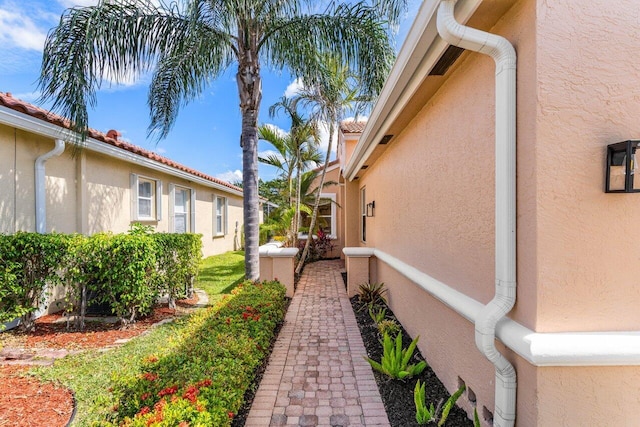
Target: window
pixel 146 194
pixel 181 209
pixel 220 216
pixel 326 216
pixel 363 214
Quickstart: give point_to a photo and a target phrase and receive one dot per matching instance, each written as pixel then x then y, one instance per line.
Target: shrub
pixel 204 380
pixel 30 265
pixel 120 270
pixel 178 258
pixel 395 359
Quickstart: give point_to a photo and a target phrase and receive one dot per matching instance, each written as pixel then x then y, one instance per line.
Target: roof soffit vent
pixel 446 60
pixel 385 139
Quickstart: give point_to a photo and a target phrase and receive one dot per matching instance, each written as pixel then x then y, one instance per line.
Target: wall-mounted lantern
pixel 621 167
pixel 370 208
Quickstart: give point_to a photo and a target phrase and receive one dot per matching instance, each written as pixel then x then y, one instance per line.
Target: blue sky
pixel 206 135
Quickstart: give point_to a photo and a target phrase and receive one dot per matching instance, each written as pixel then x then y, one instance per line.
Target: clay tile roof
pixel 111 137
pixel 352 127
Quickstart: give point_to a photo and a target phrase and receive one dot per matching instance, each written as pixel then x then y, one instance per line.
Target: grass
pixel 219 274
pixel 90 373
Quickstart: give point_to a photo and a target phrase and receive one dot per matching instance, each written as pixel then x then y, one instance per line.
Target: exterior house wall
pixel 433 189
pixel 588 98
pixel 333 175
pixel 91 192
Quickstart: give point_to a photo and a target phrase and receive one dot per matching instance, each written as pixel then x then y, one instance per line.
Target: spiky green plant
pixel 395 359
pixel 389 327
pixel 433 413
pixel 377 315
pixel 372 293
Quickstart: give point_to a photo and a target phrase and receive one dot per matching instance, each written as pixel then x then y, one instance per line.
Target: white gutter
pixel 23 121
pixel 40 184
pixel 504 55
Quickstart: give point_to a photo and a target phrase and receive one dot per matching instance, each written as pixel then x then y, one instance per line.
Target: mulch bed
pixel 27 402
pixel 397 395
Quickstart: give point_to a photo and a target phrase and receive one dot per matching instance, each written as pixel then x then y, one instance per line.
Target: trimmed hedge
pixel 28 262
pixel 127 271
pixel 202 381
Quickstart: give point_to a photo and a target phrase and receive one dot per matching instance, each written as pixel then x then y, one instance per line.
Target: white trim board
pixel 611 348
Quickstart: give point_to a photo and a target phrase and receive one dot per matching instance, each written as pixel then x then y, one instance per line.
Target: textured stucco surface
pixel 91 192
pixel 588 396
pixel 577 252
pixel 588 251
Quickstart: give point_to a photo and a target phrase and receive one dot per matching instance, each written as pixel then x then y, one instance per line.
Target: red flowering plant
pixel 202 377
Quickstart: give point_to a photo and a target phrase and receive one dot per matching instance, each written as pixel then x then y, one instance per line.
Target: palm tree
pixel 329 97
pixel 190 42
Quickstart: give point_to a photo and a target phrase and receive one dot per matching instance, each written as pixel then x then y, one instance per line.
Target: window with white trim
pixel 146 195
pixel 220 216
pixel 326 218
pixel 363 214
pixel 181 209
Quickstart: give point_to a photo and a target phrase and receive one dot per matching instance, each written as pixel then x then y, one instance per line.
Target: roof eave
pixel 419 53
pixel 29 123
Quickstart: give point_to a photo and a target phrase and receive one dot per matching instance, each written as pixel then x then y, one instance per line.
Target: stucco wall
pixel 587 249
pixel 91 192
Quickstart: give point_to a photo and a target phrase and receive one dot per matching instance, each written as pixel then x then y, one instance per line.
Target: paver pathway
pixel 316 375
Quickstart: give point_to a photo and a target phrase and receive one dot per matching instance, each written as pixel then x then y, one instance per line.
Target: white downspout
pixel 41 209
pixel 504 56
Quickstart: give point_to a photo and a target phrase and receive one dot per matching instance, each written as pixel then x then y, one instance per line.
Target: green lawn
pixel 89 374
pixel 221 273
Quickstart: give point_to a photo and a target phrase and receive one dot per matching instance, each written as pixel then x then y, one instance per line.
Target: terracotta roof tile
pixel 110 137
pixel 352 127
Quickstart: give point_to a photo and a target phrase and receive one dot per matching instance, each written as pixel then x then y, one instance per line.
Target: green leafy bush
pixel 178 258
pixel 433 414
pixel 377 315
pixel 395 359
pixel 203 381
pixel 120 270
pixel 30 265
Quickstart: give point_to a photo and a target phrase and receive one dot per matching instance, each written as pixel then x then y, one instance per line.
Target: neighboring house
pixel 107 186
pixel 329 216
pixel 437 206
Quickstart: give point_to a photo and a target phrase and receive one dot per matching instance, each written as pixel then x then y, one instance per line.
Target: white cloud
pixel 293 88
pixel 161 150
pixel 17 29
pixel 324 137
pixel 230 176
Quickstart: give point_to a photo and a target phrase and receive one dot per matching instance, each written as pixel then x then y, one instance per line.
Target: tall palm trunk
pixel 316 204
pixel 250 91
pixel 296 227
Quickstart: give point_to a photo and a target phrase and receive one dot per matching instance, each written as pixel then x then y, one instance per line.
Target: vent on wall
pixel 446 60
pixel 385 139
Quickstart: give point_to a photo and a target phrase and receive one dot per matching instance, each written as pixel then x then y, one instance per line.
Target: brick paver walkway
pixel 316 374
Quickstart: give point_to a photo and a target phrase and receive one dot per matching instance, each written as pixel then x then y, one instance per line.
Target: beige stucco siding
pixel 588 248
pixel 91 192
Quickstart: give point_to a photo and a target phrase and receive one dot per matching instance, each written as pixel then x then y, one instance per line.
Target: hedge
pixel 127 271
pixel 202 382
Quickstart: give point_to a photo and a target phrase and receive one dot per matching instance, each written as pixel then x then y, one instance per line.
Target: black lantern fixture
pixel 370 207
pixel 621 167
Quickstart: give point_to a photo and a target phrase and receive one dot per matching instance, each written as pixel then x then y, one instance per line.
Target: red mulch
pixel 26 402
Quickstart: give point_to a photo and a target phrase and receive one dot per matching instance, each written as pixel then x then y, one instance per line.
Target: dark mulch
pixel 397 395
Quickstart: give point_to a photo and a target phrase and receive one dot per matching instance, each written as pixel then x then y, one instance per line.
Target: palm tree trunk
pixel 316 204
pixel 296 228
pixel 250 91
